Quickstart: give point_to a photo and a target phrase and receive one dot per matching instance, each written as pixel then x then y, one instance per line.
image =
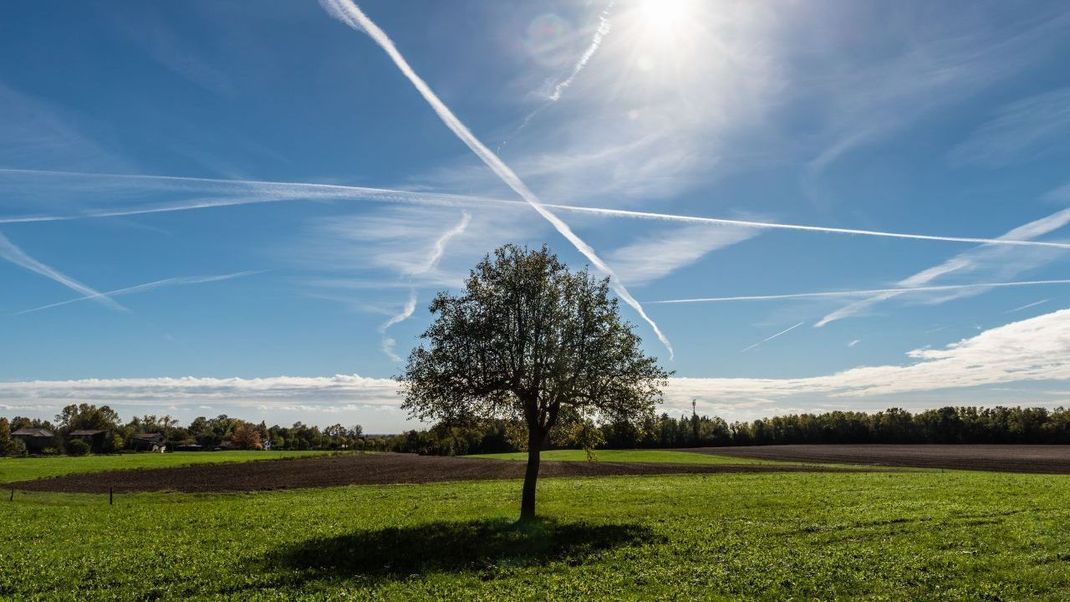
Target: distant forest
pixel 943 425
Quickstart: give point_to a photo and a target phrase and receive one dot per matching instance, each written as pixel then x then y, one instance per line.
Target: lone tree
pixel 529 340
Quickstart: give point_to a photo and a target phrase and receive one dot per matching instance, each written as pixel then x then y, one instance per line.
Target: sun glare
pixel 664 17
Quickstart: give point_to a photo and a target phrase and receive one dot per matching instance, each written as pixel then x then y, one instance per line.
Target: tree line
pixel 221 432
pixel 962 424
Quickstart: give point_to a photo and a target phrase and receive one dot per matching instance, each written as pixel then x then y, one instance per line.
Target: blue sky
pixel 245 208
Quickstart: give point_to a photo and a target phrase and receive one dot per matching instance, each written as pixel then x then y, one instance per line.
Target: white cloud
pixel 1032 350
pixel 1036 350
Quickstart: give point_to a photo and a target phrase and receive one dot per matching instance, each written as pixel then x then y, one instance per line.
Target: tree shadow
pixel 483 546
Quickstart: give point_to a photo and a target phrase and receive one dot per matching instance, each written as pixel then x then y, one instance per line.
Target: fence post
pixel 111 498
pixel 12 499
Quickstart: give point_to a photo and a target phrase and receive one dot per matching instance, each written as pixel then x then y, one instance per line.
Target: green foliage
pixel 77 447
pixel 532 342
pixel 87 416
pixel 881 536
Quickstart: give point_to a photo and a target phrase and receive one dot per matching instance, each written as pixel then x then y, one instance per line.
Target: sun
pixel 664 18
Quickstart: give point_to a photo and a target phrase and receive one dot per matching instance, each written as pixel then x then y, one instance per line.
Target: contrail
pixel 1027 306
pixel 555 95
pixel 348 12
pixel 276 192
pixel 596 41
pixel 968 260
pixel 767 339
pixel 144 288
pixel 12 253
pixel 406 313
pixel 440 244
pixel 863 293
pixel 388 343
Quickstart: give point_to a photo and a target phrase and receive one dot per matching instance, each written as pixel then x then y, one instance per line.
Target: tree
pixel 7 444
pixel 246 436
pixel 86 416
pixel 526 340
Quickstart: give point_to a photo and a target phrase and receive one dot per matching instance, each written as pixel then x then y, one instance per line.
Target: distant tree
pixel 86 416
pixel 527 339
pixel 246 436
pixel 7 444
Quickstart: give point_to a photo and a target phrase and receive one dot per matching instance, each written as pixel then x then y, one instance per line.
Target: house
pixel 35 439
pixel 148 442
pixel 95 438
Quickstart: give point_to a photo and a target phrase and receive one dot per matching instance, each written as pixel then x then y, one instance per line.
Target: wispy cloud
pixel 654 257
pixel 1027 306
pixel 872 292
pixel 1022 130
pixel 989 259
pixel 10 252
pixel 942 64
pixel 348 12
pixel 854 342
pixel 145 287
pixel 771 337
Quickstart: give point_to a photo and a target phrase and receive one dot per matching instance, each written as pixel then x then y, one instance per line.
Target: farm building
pixel 147 442
pixel 35 439
pixel 94 437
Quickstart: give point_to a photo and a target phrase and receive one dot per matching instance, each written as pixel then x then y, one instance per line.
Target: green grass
pixel 23 469
pixel 631 455
pixel 879 536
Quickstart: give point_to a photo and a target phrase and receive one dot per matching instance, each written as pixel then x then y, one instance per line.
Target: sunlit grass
pixel 23 469
pixel 887 536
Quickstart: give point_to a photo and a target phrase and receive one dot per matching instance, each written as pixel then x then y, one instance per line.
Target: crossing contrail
pixel 12 253
pixel 348 12
pixel 143 288
pixel 862 293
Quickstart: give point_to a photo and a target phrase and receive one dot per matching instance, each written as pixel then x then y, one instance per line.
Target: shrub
pixel 77 448
pixel 17 449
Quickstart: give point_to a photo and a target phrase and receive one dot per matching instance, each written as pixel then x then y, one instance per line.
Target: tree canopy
pixel 529 339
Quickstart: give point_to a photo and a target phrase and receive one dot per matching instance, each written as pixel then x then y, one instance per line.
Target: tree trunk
pixel 531 476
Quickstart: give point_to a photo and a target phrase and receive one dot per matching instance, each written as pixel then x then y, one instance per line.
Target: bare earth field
pixel 1050 459
pixel 359 469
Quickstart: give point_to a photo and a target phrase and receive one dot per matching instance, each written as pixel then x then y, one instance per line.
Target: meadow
pixel 22 469
pixel 940 535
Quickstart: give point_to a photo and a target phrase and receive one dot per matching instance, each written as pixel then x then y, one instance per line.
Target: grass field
pixel 22 469
pixel 888 536
pixel 656 456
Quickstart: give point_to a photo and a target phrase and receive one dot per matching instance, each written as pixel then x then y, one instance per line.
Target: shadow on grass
pixel 476 546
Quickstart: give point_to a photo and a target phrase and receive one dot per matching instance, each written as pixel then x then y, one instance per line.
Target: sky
pixel 245 208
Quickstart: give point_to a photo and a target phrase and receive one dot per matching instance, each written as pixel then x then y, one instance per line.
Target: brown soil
pixel 362 469
pixel 1053 459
